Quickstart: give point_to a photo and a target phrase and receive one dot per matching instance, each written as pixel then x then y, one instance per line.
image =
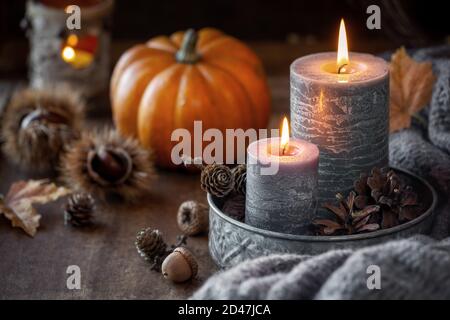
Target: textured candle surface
pixel 285 200
pixel 345 115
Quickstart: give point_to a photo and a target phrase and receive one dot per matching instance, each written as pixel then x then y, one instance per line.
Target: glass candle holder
pixel 58 55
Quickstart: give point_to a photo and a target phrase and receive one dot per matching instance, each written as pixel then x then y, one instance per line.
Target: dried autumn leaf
pixel 17 206
pixel 411 85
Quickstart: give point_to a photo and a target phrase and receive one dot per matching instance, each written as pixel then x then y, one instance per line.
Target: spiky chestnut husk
pixel 108 166
pixel 39 123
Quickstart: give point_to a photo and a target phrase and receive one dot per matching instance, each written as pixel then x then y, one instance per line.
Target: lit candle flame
pixel 284 135
pixel 72 40
pixel 68 54
pixel 342 54
pixel 77 51
pixel 69 8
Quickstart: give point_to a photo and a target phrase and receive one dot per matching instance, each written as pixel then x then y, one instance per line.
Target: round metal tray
pixel 231 241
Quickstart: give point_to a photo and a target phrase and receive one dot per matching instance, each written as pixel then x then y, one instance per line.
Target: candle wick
pixel 283 150
pixel 341 67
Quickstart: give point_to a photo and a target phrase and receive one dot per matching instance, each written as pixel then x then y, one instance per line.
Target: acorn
pixel 180 265
pixel 192 218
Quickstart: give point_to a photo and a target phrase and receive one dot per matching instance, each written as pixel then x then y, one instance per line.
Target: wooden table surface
pixel 35 268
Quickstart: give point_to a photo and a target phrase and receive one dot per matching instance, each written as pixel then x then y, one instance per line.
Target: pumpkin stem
pixel 187 52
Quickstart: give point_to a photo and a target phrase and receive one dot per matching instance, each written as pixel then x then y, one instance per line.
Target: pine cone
pixel 398 203
pixel 192 218
pixel 79 209
pixel 240 178
pixel 217 179
pixel 150 244
pixel 348 220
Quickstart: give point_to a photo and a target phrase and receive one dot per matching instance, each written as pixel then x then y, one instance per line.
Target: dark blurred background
pixel 306 26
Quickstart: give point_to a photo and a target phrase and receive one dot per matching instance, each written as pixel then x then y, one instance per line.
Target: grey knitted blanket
pixel 416 268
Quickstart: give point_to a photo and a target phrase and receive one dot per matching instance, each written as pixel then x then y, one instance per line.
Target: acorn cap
pixel 192 218
pixel 189 258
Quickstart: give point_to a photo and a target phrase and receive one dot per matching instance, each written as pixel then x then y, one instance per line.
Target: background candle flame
pixel 284 134
pixel 72 40
pixel 68 54
pixel 79 51
pixel 342 54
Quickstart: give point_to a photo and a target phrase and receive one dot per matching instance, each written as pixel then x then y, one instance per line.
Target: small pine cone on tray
pixel 240 178
pixel 79 210
pixel 217 179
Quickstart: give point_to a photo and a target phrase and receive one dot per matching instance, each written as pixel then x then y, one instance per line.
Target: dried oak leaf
pixel 17 206
pixel 411 85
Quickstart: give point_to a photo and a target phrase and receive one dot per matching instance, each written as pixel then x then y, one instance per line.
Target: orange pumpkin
pixel 169 82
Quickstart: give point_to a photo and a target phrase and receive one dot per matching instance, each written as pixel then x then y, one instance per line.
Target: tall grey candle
pixel 345 114
pixel 281 186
